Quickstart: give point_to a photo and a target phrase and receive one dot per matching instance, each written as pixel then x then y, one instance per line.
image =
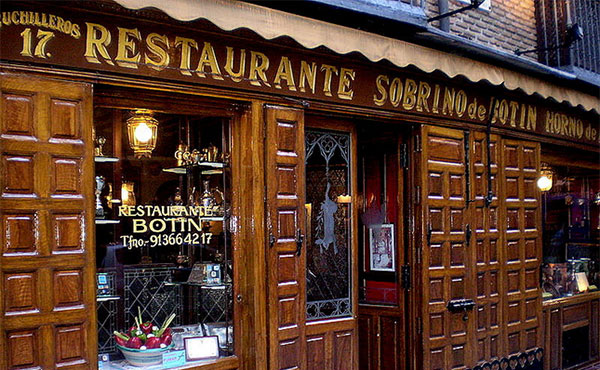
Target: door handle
pixel 461 305
pixel 299 242
pixel 458 305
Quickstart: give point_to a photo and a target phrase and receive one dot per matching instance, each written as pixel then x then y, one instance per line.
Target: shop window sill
pixel 224 363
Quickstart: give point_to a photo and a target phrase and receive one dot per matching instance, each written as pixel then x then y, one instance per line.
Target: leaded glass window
pixel 328 211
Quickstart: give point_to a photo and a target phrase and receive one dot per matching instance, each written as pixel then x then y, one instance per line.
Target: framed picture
pixel 382 255
pixel 201 348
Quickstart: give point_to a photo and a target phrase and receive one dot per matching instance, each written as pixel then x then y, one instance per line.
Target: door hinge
pixel 417 196
pixel 419 326
pixel 404 156
pixel 468 234
pixel 418 147
pixel 406 277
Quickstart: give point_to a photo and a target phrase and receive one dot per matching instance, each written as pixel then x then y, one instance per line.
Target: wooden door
pixel 47 272
pixel 523 251
pixel 446 261
pixel 286 281
pixel 487 251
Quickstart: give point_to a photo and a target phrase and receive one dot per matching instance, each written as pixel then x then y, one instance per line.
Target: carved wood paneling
pixel 486 246
pixel 447 264
pixel 331 345
pixel 498 267
pixel 47 269
pixel 522 225
pixel 286 225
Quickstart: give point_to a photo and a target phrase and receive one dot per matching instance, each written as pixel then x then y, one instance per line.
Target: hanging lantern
pixel 142 130
pixel 544 181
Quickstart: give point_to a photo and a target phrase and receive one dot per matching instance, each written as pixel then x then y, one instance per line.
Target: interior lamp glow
pixel 142 131
pixel 544 181
pixel 127 194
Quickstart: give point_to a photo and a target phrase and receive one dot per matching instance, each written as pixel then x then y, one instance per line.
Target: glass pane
pixel 570 231
pixel 328 210
pixel 379 215
pixel 162 240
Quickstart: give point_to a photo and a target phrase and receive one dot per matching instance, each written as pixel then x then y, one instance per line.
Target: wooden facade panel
pixel 289 311
pixel 20 292
pixel 447 337
pixel 595 330
pixel 286 176
pixel 68 292
pixel 65 121
pixel 287 268
pixel 18 178
pixel 523 245
pixel 391 344
pixel 70 345
pixel 315 352
pixel 68 231
pixel 17 233
pixel 43 170
pixel 343 350
pixel 16 115
pixel 66 177
pixel 367 343
pixel 285 219
pixel 22 349
pixel 575 313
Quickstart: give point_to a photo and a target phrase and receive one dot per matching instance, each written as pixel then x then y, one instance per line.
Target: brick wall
pixel 508 25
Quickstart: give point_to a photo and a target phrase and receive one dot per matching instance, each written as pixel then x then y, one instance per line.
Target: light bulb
pixel 143 133
pixel 544 183
pixel 124 195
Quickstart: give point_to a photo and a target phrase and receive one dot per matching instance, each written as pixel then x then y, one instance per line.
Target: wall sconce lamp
pixel 544 181
pixel 474 5
pixel 142 131
pixel 574 33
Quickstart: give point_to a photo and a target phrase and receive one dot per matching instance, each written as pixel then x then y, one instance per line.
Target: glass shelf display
pixel 169 220
pixel 571 237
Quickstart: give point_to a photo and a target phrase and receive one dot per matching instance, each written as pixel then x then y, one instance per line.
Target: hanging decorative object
pixel 142 130
pixel 544 181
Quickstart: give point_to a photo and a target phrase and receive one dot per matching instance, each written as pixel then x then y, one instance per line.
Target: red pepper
pixel 120 341
pixel 166 339
pixel 167 332
pixel 132 330
pixel 153 342
pixel 146 327
pixel 134 342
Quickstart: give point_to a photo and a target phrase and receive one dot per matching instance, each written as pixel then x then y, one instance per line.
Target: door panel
pixel 286 223
pixel 497 265
pixel 446 260
pixel 487 251
pixel 46 208
pixel 523 306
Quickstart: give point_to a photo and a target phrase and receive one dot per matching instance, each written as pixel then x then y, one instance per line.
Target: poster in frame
pixel 382 254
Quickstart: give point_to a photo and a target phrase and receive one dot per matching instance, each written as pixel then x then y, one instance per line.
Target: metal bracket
pixel 299 242
pixel 404 156
pixel 405 277
pixel 271 239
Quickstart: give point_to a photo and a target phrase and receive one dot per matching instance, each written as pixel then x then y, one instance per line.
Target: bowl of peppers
pixel 144 343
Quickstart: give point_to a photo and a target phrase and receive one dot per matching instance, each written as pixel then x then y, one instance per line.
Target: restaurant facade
pixel 284 193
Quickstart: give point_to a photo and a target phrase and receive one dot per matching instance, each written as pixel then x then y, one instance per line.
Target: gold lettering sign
pixel 170 53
